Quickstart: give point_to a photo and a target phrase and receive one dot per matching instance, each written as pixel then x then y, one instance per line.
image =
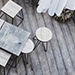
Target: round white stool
pixel 28 47
pixel 27 50
pixel 43 34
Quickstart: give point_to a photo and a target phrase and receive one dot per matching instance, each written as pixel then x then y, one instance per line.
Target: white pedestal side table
pixel 44 35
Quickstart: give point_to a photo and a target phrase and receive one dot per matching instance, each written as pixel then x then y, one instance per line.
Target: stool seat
pixel 11 8
pixel 43 34
pixel 28 47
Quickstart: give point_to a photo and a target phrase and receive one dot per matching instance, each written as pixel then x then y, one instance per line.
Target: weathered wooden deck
pixel 60 57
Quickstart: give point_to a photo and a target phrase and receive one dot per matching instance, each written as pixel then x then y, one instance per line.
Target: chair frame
pixel 22 18
pixel 38 42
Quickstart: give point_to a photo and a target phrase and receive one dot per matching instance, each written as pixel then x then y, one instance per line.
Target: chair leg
pixel 15 61
pixel 45 47
pixel 30 61
pixel 12 21
pixel 24 64
pixel 4 70
pixel 22 18
pixel 26 58
pixel 36 44
pixel 1 14
pixel 10 67
pixel 22 14
pixel 34 38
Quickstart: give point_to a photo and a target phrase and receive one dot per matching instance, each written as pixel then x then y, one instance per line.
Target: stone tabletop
pixel 12 38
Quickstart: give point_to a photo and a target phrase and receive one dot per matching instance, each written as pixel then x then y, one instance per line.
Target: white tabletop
pixel 43 34
pixel 13 38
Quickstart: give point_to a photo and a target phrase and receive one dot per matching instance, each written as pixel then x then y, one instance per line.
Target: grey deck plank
pixel 69 42
pixel 63 49
pixel 26 23
pixel 42 54
pixel 30 25
pixel 71 26
pixel 33 23
pixel 40 20
pixel 36 63
pixel 58 65
pixel 32 19
pixel 1 4
pixel 35 58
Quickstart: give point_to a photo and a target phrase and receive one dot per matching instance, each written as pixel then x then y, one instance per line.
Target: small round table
pixel 44 35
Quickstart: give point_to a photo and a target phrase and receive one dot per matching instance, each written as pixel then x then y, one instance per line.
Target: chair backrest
pixel 28 47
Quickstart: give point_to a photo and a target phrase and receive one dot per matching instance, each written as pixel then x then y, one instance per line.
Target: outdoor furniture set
pixel 15 42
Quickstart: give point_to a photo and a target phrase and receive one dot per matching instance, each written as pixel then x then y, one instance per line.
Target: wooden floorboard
pixel 59 69
pixel 60 57
pixel 63 49
pixel 69 42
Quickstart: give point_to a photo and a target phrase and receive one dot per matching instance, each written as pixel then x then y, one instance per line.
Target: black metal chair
pixel 43 35
pixel 12 9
